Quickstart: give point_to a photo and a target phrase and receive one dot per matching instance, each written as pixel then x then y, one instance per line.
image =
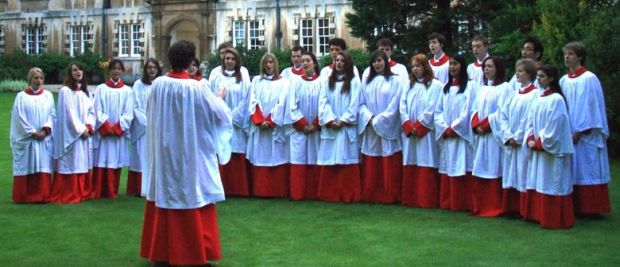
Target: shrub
pixel 12 85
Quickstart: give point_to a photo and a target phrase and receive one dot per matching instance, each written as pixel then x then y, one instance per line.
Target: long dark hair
pixel 145 77
pixel 552 72
pixel 387 71
pixel 72 83
pixel 500 70
pixel 462 79
pixel 237 67
pixel 317 68
pixel 348 73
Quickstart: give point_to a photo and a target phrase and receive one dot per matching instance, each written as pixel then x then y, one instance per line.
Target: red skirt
pixel 486 197
pixel 68 188
pixel 180 236
pixel 382 178
pixel 270 181
pixel 105 182
pixel 32 188
pixel 420 187
pixel 591 199
pixel 134 183
pixel 511 202
pixel 304 181
pixel 554 212
pixel 340 183
pixel 455 192
pixel 235 176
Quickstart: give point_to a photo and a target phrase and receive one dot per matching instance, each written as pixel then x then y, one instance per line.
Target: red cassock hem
pixel 420 187
pixel 68 188
pixel 591 199
pixel 235 176
pixel 382 178
pixel 511 201
pixel 553 212
pixel 455 192
pixel 486 197
pixel 304 181
pixel 271 181
pixel 340 183
pixel 180 236
pixel 32 188
pixel 105 182
pixel 134 183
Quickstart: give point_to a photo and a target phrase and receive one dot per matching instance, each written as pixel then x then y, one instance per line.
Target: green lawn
pixel 264 232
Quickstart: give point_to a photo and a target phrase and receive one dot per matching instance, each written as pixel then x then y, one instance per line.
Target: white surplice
pixel 379 119
pixel 188 130
pixel 509 123
pixel 303 103
pixel 75 111
pixel 339 146
pixel 137 152
pixel 453 111
pixel 327 71
pixel 237 98
pixel 30 114
pixel 441 68
pixel 474 71
pixel 549 171
pixel 269 147
pixel 399 69
pixel 245 75
pixel 488 152
pixel 586 110
pixel 418 104
pixel 112 105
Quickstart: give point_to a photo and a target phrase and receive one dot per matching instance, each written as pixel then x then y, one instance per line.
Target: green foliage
pixel 15 65
pixel 12 85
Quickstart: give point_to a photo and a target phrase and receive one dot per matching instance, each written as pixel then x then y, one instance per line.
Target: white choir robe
pixel 586 110
pixel 74 114
pixel 30 114
pixel 339 147
pixel 237 98
pixel 269 147
pixel 549 170
pixel 245 75
pixel 441 68
pixel 417 104
pixel 327 71
pixel 292 71
pixel 396 68
pixel 509 123
pixel 379 127
pixel 474 71
pixel 137 152
pixel 112 106
pixel 488 152
pixel 515 85
pixel 188 130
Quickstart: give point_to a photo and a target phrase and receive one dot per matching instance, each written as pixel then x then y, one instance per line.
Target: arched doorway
pixel 185 30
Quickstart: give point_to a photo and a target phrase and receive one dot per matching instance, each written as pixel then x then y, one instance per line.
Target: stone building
pixel 133 30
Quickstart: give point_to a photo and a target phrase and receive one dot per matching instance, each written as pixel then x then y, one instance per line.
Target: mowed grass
pixel 277 232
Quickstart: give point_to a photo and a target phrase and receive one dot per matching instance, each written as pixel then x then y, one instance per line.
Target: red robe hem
pixel 304 181
pixel 420 187
pixel 591 199
pixel 32 188
pixel 270 181
pixel 382 178
pixel 105 182
pixel 455 192
pixel 553 212
pixel 487 197
pixel 134 183
pixel 235 176
pixel 340 183
pixel 69 188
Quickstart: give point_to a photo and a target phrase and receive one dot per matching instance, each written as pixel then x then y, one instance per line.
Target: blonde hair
pixel 34 71
pixel 276 66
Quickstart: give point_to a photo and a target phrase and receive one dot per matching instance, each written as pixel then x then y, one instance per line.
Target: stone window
pixel 249 33
pixel 80 39
pixel 129 39
pixel 313 34
pixel 34 38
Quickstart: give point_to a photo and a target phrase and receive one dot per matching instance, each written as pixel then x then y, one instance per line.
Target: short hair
pixel 580 50
pixel 500 70
pixel 145 77
pixel 480 38
pixel 384 42
pixel 115 62
pixel 428 71
pixel 34 71
pixel 529 66
pixel 276 66
pixel 338 42
pixel 439 37
pixel 181 54
pixel 223 45
pixel 298 48
pixel 317 69
pixel 538 46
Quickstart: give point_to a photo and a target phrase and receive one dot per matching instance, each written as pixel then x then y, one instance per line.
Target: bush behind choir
pixel 445 134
